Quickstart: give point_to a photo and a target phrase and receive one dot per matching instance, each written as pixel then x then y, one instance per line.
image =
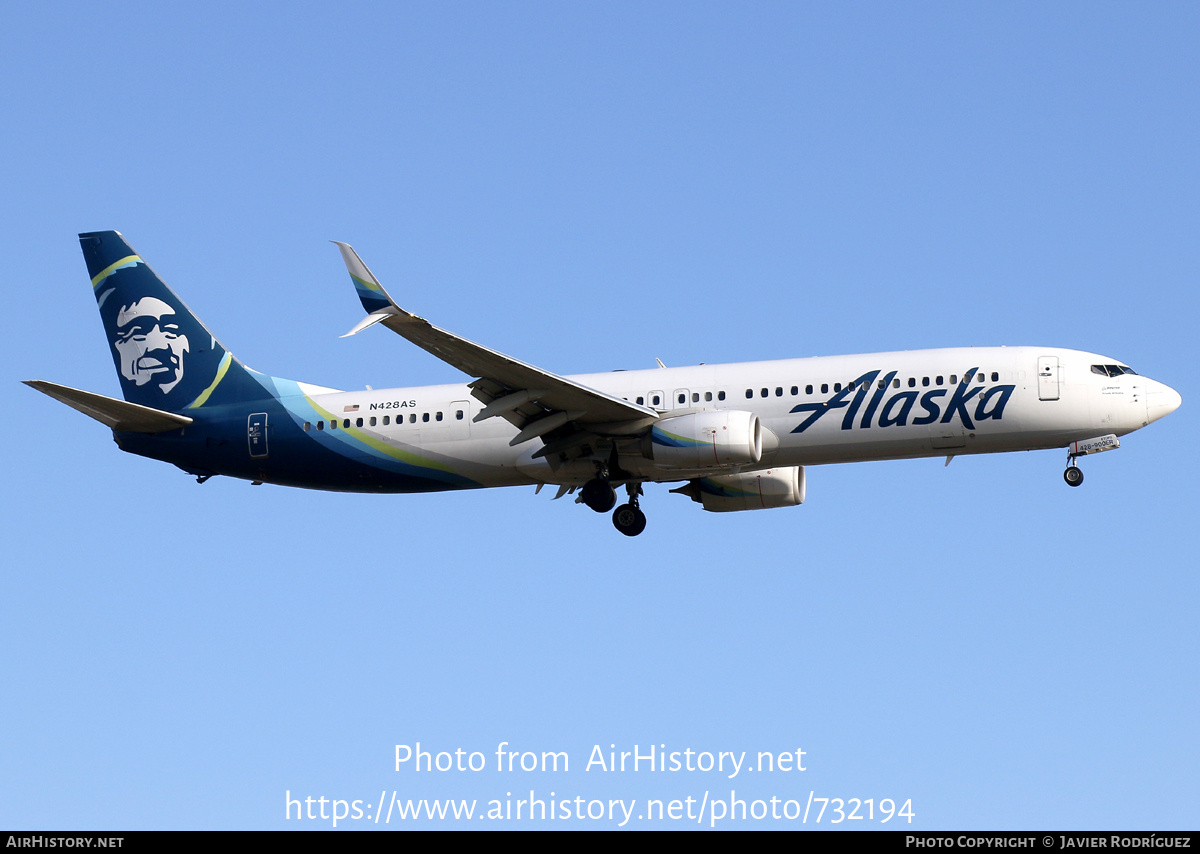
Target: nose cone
pixel 1161 400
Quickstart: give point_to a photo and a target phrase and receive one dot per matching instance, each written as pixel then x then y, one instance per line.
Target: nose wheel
pixel 629 518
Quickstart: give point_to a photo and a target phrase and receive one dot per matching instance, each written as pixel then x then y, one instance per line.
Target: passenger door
pixel 1048 377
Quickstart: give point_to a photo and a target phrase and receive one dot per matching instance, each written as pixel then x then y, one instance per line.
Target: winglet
pixel 374 298
pixel 370 320
pixel 501 377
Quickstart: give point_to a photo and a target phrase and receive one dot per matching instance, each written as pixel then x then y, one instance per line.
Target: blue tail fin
pixel 164 355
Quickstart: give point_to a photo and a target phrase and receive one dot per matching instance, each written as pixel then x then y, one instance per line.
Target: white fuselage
pixel 907 404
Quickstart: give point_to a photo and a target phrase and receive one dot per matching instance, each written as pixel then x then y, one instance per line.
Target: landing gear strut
pixel 629 518
pixel 1073 475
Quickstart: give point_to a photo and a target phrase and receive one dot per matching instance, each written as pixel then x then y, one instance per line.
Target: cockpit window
pixel 1112 370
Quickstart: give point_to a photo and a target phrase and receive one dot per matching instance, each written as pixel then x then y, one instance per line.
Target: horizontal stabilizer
pixel 113 413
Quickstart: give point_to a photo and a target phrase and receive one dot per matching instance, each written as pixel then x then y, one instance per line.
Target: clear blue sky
pixel 591 186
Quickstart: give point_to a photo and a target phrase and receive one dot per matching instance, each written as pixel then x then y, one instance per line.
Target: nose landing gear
pixel 1073 475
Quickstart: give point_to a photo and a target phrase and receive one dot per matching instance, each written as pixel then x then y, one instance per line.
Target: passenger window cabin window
pixel 358 422
pixel 808 389
pixel 438 417
pixel 695 397
pixel 912 382
pixel 896 383
pixel 764 392
pixel 656 400
pixel 995 376
pixel 320 425
pixel 641 401
pixel 458 415
pixel 683 398
pixel 749 393
pixel 779 391
pixel 837 386
pixel 372 420
pixel 939 380
pixel 954 379
pixel 425 417
pixel 307 426
pixel 795 390
pixel 346 423
pixel 707 396
pixel 824 388
pixel 333 424
pixel 412 418
pixel 925 381
pixel 720 395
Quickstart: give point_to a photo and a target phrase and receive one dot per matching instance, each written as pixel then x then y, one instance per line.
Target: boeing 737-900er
pixel 736 436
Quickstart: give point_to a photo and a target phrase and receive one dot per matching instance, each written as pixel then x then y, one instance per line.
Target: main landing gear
pixel 629 518
pixel 599 495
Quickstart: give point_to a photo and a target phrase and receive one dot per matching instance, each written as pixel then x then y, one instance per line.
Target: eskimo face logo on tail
pixel 165 358
pixel 150 344
pixel 968 402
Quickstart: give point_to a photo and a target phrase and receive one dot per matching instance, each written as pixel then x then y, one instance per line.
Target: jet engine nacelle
pixel 752 490
pixel 718 439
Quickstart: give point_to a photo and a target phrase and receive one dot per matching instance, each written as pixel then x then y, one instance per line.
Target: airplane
pixel 735 436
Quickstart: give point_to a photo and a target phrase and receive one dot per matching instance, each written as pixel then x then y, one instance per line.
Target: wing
pixel 540 404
